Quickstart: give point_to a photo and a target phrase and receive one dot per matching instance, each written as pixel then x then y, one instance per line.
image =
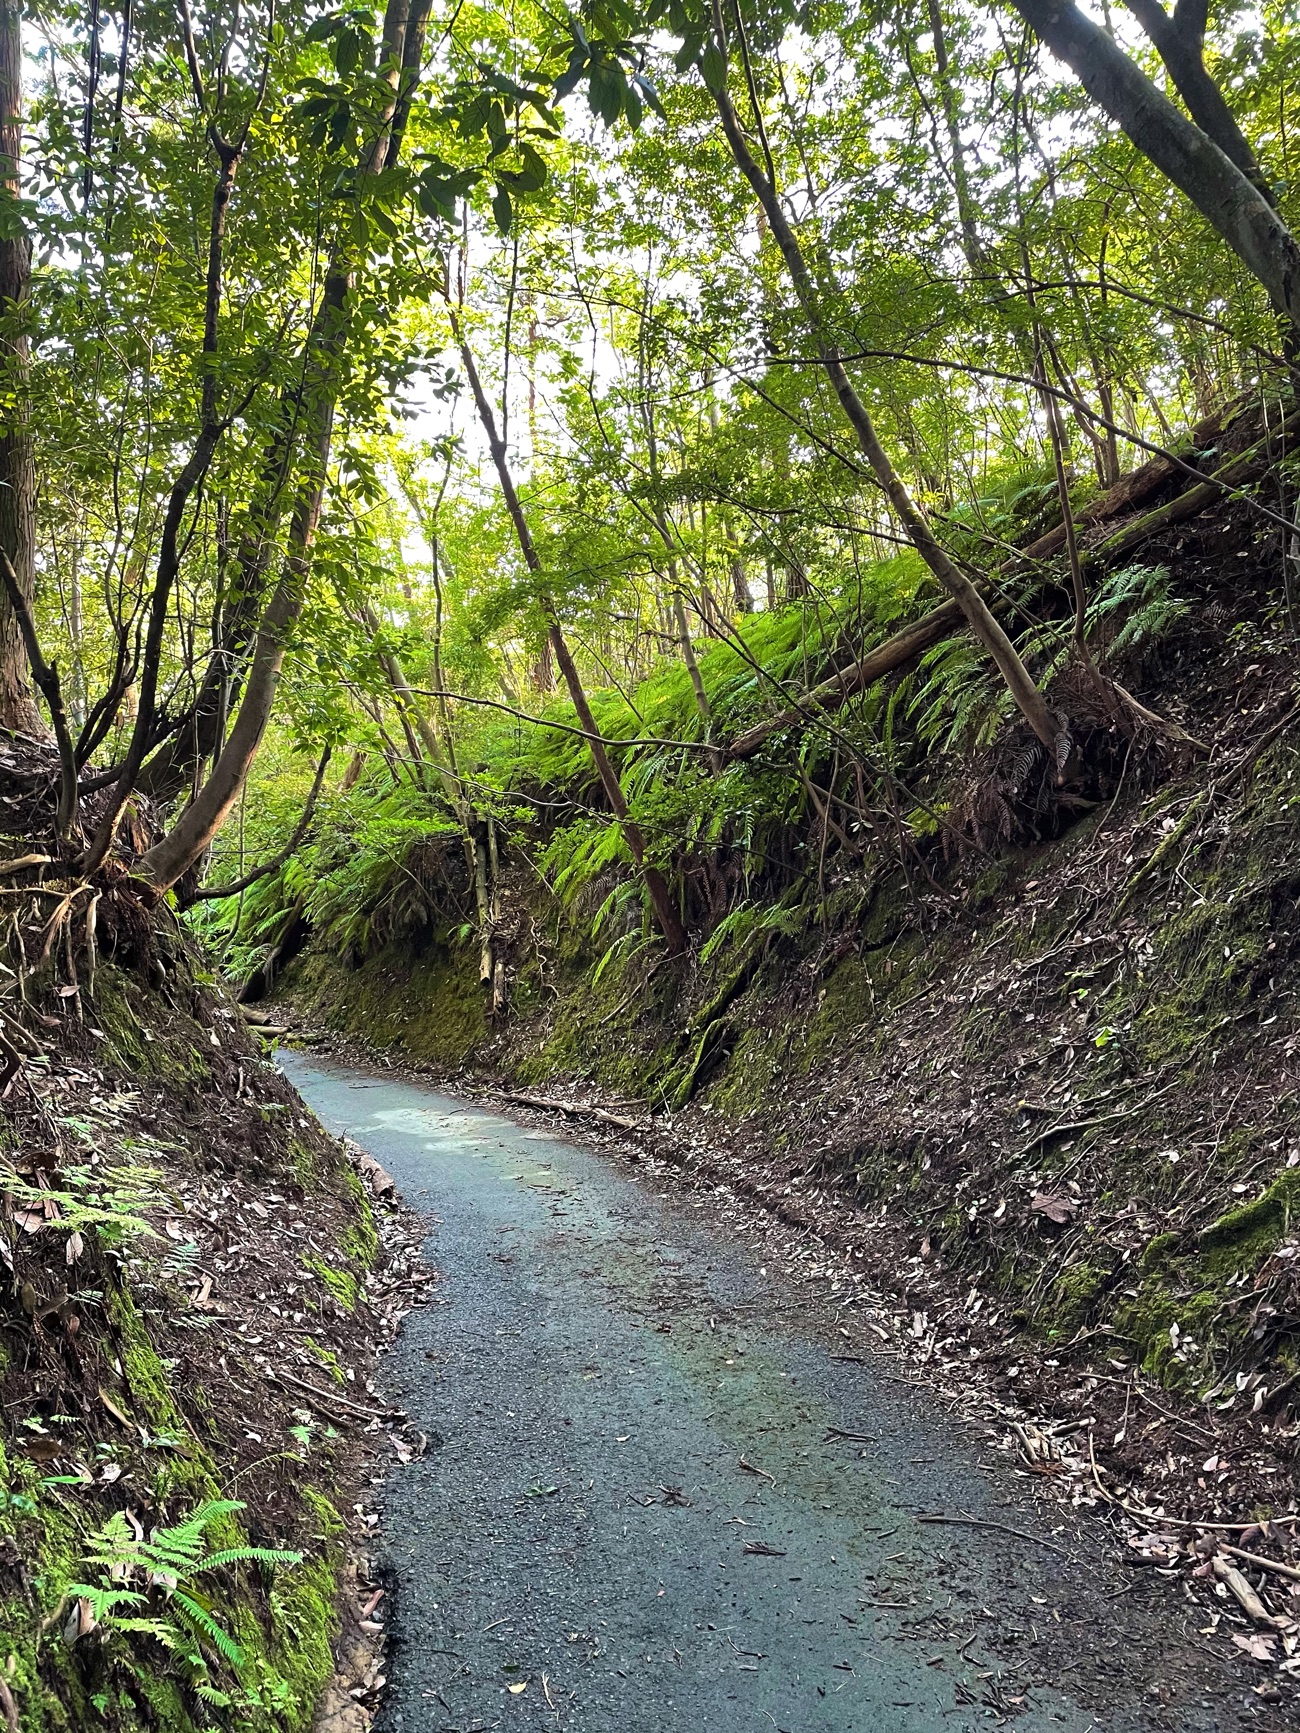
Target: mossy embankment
pixel 176 1230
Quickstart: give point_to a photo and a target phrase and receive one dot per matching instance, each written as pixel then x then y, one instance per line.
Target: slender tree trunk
pixel 702 704
pixel 17 457
pixel 971 245
pixel 666 916
pixel 985 627
pixel 199 736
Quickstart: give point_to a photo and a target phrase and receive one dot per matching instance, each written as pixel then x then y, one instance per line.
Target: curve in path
pixel 655 1503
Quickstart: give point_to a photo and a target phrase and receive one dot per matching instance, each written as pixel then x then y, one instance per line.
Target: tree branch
pixel 236 887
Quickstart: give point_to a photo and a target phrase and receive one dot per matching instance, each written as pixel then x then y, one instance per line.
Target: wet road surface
pixel 653 1501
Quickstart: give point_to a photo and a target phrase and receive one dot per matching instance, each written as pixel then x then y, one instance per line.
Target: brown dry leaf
pixel 114 1408
pixel 1057 1206
pixel 1256 1645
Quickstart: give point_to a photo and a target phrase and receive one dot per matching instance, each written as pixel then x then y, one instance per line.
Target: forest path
pixel 583 1547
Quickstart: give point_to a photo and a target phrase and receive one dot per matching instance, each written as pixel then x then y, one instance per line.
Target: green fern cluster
pixel 150 1586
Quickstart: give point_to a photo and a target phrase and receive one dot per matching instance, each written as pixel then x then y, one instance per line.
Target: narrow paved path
pixel 655 1503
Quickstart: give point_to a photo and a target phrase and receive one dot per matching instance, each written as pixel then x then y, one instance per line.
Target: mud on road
pixel 655 1502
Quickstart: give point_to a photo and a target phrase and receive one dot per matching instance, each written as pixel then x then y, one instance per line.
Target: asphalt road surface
pixel 654 1502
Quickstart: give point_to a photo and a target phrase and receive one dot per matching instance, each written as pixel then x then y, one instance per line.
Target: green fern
pixel 132 1572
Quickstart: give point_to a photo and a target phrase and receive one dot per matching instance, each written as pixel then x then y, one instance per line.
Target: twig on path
pixel 1001 1527
pixel 749 1468
pixel 837 1433
pixel 1242 1591
pixel 575 1110
pixel 1267 1564
pixel 328 1396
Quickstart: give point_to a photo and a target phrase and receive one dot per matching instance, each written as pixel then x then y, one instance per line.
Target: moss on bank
pixel 106 1414
pixel 430 1003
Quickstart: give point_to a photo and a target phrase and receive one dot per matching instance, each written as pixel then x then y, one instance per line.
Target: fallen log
pixel 921 635
pixel 905 645
pixel 574 1109
pixel 1136 488
pixel 1246 467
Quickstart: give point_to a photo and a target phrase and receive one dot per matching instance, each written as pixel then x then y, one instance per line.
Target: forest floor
pixel 675 1480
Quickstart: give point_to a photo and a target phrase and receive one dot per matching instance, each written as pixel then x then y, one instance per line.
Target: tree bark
pixel 237 887
pixel 18 708
pixel 971 245
pixel 1188 156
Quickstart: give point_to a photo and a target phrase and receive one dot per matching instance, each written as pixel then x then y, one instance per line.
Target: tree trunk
pixel 1222 192
pixel 1000 648
pixel 669 922
pixel 17 458
pixel 971 245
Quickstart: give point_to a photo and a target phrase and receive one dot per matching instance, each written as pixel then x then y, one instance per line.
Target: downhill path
pixel 583 1548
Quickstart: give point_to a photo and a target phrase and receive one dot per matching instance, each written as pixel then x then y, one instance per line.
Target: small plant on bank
pixel 152 1587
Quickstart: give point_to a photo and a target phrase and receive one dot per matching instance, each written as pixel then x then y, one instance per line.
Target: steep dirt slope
pixel 193 1294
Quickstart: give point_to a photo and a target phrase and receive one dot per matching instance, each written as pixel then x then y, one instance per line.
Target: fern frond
pixel 203 1622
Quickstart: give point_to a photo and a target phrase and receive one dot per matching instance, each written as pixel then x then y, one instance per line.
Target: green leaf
pixel 502 209
pixel 340 125
pixel 571 77
pixel 646 87
pixel 689 53
pixel 347 51
pixel 713 69
pixel 606 90
pixel 534 174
